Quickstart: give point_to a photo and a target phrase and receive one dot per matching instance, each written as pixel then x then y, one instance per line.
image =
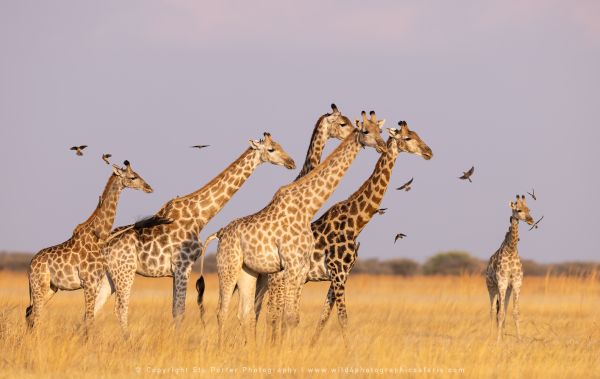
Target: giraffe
pixel 77 262
pixel 504 273
pixel 336 231
pixel 278 237
pixel 329 125
pixel 170 249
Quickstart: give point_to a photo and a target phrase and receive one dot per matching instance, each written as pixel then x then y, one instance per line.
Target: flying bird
pixel 105 158
pixel 199 146
pixel 532 194
pixel 406 186
pixel 380 211
pixel 78 149
pixel 535 226
pixel 399 236
pixel 467 174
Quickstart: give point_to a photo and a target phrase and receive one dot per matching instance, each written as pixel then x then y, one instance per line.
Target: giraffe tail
pixel 30 307
pixel 200 284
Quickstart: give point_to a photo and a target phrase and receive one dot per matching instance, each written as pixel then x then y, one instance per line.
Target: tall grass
pixel 415 326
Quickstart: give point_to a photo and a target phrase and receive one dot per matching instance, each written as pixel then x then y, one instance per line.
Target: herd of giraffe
pixel 276 250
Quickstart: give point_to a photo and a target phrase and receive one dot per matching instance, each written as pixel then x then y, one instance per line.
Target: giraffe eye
pixel 271 150
pixel 407 138
pixel 365 132
pixel 343 124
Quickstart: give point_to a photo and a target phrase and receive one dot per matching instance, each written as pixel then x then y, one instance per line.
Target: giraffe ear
pixel 392 132
pixel 357 123
pixel 254 144
pixel 511 205
pixel 380 123
pixel 116 170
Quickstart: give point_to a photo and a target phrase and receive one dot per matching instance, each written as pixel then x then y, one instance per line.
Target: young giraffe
pixel 169 250
pixel 77 263
pixel 278 238
pixel 336 231
pixel 504 273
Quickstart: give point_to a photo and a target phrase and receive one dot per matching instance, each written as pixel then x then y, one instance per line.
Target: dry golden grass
pixel 421 323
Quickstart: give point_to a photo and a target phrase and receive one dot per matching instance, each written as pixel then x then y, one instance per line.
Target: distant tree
pixel 532 268
pixel 403 267
pixel 452 263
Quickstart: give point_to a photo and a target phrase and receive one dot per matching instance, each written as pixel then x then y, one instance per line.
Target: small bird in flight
pixel 380 211
pixel 399 236
pixel 406 186
pixel 535 225
pixel 199 146
pixel 467 174
pixel 532 194
pixel 105 158
pixel 78 149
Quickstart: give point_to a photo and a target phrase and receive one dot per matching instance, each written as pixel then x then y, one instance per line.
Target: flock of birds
pixel 405 187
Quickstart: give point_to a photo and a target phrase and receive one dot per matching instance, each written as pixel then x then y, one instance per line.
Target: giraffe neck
pixel 315 148
pixel 311 191
pixel 101 220
pixel 203 204
pixel 368 197
pixel 512 236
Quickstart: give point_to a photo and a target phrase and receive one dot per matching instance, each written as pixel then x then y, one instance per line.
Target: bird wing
pixel 74 148
pixel 409 182
pixel 471 171
pixel 82 147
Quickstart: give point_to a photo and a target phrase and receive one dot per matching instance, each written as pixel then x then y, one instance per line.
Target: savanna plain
pixel 422 326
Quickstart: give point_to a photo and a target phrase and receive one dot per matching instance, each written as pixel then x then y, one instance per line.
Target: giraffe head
pixel 408 141
pixel 520 211
pixel 336 124
pixel 370 131
pixel 270 151
pixel 130 178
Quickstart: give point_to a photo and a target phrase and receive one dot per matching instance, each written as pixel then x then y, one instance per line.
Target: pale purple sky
pixel 512 87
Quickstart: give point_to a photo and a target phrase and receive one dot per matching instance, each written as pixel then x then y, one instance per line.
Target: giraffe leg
pixel 339 291
pixel 502 286
pixel 107 288
pixel 246 285
pixel 325 313
pixel 291 311
pixel 506 301
pixel 90 291
pixel 516 310
pixel 180 281
pixel 262 286
pixel 493 309
pixel 123 277
pixel 229 272
pixel 276 287
pixel 41 291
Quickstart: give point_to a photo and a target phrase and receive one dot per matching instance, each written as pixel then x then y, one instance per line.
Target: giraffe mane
pixel 94 214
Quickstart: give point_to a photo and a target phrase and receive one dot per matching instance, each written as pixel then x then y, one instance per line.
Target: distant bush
pixel 532 268
pixel 403 267
pixel 452 263
pixel 371 266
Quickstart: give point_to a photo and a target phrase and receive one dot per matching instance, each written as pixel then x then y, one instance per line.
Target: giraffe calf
pixel 504 274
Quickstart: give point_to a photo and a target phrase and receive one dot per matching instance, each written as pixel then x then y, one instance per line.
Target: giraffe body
pixel 279 238
pixel 335 232
pixel 77 263
pixel 504 273
pixel 170 249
